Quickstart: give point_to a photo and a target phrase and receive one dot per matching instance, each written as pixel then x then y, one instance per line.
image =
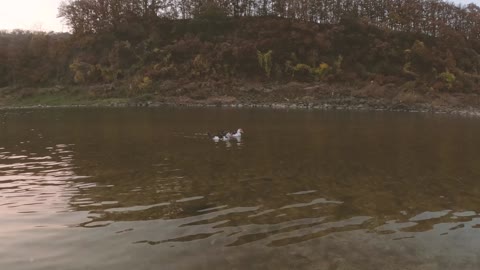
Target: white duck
pixel 227 137
pixel 238 134
pixel 221 137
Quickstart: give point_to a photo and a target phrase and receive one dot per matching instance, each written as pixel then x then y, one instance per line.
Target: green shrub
pixel 201 65
pixel 418 47
pixel 448 78
pixel 337 65
pixel 265 61
pixel 302 68
pixel 421 56
pixel 304 71
pixel 321 70
pixel 108 74
pixel 164 66
pixel 82 71
pixel 145 83
pixel 79 77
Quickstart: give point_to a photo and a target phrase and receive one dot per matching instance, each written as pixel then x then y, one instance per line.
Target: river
pixel 130 188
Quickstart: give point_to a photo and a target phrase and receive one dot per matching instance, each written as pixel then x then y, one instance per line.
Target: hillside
pixel 251 59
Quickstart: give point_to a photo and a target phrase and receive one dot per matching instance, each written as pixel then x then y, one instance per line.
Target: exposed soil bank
pixel 294 95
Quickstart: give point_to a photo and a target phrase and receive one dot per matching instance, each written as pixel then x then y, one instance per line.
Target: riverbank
pixel 294 95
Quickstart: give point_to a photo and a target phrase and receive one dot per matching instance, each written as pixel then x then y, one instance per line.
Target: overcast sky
pixel 42 14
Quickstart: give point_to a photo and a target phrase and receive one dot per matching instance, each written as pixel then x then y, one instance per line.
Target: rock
pixel 267 90
pixel 307 99
pixel 168 85
pixel 223 100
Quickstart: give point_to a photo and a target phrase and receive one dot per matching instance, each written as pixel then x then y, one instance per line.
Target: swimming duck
pixel 222 136
pixel 227 136
pixel 238 134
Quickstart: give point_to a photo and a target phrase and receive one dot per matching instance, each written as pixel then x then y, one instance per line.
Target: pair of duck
pixel 226 136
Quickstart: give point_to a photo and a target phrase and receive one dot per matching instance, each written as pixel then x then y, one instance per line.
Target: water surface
pixel 146 189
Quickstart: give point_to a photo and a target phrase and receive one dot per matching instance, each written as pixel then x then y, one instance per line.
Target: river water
pixel 147 189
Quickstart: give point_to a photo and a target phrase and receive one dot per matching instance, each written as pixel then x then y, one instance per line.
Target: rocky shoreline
pixel 291 96
pixel 325 106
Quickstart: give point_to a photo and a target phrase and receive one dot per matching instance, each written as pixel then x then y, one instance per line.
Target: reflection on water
pixel 234 141
pixel 307 190
pixel 34 184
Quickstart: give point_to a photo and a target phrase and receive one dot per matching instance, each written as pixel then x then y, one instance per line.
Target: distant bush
pixel 337 65
pixel 139 85
pixel 163 66
pixel 448 78
pixel 82 71
pixel 302 72
pixel 321 70
pixel 407 70
pixel 420 56
pixel 210 10
pixel 201 65
pixel 265 61
pixel 145 83
pixel 108 74
pixel 305 72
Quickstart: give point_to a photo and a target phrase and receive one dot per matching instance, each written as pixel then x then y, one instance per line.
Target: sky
pixel 38 15
pixel 41 15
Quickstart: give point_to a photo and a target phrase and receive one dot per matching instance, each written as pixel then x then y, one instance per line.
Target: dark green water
pixel 145 189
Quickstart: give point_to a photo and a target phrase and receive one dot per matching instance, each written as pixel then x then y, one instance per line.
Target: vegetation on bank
pixel 134 47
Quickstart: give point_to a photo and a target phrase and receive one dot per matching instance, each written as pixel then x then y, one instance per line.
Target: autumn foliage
pixel 435 45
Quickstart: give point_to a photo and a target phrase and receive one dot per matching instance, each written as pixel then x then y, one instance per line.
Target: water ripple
pixel 35 185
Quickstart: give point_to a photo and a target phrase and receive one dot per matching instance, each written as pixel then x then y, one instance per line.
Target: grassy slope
pixel 197 61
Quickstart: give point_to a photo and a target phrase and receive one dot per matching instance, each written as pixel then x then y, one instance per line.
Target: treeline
pixel 28 58
pixel 424 16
